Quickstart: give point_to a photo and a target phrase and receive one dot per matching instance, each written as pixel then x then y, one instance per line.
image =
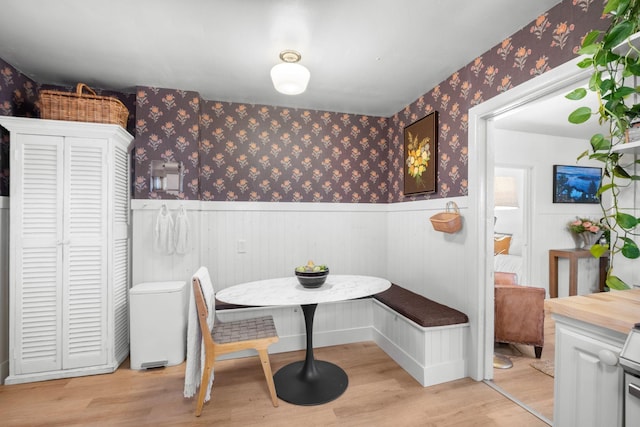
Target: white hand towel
pixel 182 232
pixel 195 345
pixel 163 232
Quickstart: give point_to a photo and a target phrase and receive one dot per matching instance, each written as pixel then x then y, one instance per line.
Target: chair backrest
pixel 502 278
pixel 204 296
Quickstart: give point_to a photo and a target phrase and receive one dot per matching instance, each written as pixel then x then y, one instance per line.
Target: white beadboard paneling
pixel 148 265
pixel 277 238
pixel 393 241
pixel 425 261
pixel 431 355
pixel 4 288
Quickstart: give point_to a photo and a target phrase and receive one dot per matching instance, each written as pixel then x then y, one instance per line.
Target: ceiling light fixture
pixel 289 77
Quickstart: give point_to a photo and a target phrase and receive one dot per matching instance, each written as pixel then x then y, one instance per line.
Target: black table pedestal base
pixel 294 385
pixel 309 381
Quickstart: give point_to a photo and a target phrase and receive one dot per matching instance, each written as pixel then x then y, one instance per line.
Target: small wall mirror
pixel 166 177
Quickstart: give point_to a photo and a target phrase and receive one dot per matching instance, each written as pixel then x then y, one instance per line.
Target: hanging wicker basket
pixel 448 221
pixel 82 107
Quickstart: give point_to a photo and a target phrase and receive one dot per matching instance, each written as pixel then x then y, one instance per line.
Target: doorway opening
pixel 482 130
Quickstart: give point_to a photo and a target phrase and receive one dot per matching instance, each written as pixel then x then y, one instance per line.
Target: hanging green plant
pixel 615 64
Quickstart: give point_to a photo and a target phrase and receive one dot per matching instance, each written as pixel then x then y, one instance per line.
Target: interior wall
pixel 4 288
pixel 549 220
pixel 243 242
pixel 426 261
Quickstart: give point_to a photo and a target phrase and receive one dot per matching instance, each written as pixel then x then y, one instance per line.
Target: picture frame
pixel 576 184
pixel 421 155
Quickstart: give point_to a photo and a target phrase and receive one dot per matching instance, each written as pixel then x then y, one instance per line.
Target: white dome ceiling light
pixel 289 77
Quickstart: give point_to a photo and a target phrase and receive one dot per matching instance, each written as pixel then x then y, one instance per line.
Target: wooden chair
pixel 228 337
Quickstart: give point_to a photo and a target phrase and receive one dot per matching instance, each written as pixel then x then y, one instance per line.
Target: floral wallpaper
pixel 263 153
pixel 167 129
pixel 267 153
pixel 18 95
pixel 550 40
pixel 259 153
pixel 243 152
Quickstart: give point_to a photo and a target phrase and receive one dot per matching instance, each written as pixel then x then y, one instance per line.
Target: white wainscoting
pixel 4 288
pixel 431 355
pixel 395 241
pixel 275 238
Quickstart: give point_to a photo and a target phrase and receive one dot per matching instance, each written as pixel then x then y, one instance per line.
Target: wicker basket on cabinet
pixel 82 107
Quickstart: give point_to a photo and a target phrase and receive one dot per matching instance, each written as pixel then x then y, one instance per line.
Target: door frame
pixel 561 79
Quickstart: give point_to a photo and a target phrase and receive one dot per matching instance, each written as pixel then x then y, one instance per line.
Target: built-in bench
pixel 426 338
pixel 419 309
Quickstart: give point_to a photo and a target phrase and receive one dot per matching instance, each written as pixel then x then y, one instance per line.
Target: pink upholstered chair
pixel 519 312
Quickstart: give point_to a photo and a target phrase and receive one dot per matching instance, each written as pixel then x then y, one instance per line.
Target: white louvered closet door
pixel 38 245
pixel 85 253
pixel 121 251
pixel 69 248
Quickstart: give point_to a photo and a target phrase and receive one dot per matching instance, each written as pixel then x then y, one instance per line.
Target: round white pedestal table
pixel 309 381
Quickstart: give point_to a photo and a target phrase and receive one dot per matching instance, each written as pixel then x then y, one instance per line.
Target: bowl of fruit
pixel 312 275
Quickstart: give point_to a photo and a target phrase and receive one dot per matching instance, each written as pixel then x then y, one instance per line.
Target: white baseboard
pixel 4 371
pixel 405 341
pixel 425 375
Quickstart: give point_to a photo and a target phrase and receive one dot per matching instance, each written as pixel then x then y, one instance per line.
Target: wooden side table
pixel 572 255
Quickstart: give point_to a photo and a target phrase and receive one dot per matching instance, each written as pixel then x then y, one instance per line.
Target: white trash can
pixel 158 324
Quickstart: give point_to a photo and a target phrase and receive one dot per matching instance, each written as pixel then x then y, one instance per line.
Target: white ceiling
pixel 370 57
pixel 550 116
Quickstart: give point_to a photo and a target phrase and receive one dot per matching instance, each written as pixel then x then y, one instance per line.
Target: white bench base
pixel 431 355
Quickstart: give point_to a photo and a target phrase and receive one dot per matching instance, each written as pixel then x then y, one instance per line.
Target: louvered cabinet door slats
pixel 85 256
pixel 121 251
pixel 69 249
pixel 36 234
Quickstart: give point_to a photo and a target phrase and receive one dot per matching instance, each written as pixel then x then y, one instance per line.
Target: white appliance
pixel 630 362
pixel 158 324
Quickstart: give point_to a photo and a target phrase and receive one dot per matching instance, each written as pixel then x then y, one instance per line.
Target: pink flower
pixel 594 229
pixel 586 224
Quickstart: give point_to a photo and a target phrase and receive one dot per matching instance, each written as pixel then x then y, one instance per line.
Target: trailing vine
pixel 615 63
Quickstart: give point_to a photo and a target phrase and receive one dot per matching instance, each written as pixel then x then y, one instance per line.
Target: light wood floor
pixel 380 393
pixel 525 383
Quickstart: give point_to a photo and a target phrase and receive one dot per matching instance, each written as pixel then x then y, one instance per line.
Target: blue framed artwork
pixel 576 184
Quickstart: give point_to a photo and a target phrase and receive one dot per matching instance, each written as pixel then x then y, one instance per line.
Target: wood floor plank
pixel 525 383
pixel 380 393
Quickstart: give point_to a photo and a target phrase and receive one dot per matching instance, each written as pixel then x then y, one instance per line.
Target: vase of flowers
pixel 585 232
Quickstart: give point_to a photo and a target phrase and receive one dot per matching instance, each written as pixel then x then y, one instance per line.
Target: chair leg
pixel 266 367
pixel 538 351
pixel 204 385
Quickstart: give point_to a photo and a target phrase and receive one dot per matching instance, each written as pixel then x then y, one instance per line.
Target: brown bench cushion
pixel 421 310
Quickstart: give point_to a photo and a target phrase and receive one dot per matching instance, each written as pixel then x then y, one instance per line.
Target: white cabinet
pixel 588 378
pixel 69 248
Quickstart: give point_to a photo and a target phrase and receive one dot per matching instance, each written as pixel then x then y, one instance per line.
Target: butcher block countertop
pixel 615 310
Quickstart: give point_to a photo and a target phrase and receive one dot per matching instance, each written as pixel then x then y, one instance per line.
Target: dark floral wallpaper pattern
pixel 166 129
pixel 550 40
pixel 242 152
pixel 266 153
pixel 18 95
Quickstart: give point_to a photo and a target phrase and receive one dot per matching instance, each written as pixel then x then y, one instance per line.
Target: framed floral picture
pixel 421 155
